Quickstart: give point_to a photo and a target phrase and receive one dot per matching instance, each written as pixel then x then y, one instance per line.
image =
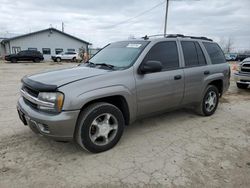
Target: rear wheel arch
pixel 218 84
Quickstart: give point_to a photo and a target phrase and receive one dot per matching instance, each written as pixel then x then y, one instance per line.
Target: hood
pixel 62 77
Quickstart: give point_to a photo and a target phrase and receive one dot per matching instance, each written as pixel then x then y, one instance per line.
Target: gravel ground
pixel 177 149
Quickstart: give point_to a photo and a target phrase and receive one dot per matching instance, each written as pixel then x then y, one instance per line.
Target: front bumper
pixel 242 78
pixel 57 126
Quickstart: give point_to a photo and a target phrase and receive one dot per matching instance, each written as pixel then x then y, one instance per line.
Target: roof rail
pixel 202 38
pixel 146 37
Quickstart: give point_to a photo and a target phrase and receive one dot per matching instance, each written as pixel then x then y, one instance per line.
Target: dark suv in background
pixel 26 55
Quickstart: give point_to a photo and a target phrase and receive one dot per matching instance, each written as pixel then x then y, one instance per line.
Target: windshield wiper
pixel 89 63
pixel 106 65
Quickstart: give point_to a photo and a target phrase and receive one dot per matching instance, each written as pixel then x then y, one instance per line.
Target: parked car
pixel 25 55
pixel 125 81
pixel 241 57
pixel 231 57
pixel 242 76
pixel 72 56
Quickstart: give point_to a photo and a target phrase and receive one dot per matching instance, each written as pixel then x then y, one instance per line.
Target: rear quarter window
pixel 215 53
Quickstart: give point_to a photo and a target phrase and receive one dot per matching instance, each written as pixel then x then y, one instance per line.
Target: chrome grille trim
pixel 245 67
pixel 35 100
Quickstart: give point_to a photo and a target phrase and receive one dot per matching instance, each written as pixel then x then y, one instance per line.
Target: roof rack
pixel 146 37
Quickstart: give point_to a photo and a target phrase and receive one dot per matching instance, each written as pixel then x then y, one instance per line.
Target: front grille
pixel 245 67
pixel 245 70
pixel 32 92
pixel 29 103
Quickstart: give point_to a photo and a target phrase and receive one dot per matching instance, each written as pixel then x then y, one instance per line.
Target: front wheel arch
pixel 117 100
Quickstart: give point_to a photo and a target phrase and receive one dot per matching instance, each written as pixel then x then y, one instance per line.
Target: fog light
pixel 43 128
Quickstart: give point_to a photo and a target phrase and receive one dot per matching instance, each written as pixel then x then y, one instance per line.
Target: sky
pixel 104 21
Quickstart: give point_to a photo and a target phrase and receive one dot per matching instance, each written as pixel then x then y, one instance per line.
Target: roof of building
pixel 40 31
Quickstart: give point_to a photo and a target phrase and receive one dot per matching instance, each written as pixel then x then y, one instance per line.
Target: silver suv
pixel 92 102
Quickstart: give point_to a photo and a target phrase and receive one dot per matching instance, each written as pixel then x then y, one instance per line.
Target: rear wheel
pixel 99 127
pixel 13 60
pixel 58 59
pixel 210 101
pixel 242 86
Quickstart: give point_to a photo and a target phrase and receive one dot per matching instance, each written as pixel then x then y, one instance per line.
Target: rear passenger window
pixel 215 53
pixel 166 53
pixel 201 57
pixel 193 54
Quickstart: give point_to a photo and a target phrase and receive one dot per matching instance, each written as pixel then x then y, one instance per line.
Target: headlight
pixel 52 101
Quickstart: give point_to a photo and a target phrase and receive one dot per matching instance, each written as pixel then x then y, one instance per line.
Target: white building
pixel 48 41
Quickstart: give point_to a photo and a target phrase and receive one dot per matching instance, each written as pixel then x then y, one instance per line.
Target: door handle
pixel 177 77
pixel 206 72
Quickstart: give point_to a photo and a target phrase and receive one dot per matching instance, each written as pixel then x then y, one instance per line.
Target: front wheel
pixel 210 101
pixel 36 60
pixel 99 127
pixel 13 60
pixel 242 86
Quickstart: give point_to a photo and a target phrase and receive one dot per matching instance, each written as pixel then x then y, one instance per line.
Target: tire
pixel 208 107
pixel 91 137
pixel 74 59
pixel 36 60
pixel 13 60
pixel 58 59
pixel 242 86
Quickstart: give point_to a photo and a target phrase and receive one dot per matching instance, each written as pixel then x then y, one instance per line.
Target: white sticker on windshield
pixel 133 45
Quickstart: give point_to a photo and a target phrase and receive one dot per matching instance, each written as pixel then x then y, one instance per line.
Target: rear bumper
pixel 56 126
pixel 242 78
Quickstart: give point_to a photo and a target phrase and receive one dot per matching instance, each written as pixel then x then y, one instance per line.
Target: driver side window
pixel 166 53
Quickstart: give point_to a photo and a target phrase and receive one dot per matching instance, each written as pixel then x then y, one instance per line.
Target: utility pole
pixel 166 18
pixel 62 27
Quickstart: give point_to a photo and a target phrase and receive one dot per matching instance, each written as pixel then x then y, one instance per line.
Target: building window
pixel 15 49
pixel 58 50
pixel 71 50
pixel 32 49
pixel 46 51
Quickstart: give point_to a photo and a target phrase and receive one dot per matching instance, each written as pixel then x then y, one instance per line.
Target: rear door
pixel 161 90
pixel 219 66
pixel 196 69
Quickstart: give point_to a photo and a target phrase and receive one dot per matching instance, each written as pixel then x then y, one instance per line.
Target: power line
pixel 138 15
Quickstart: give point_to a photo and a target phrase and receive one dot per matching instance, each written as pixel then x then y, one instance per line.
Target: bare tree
pixel 227 44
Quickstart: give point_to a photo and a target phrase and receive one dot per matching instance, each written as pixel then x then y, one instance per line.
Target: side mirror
pixel 150 67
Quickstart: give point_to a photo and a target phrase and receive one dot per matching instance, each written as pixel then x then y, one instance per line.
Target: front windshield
pixel 119 54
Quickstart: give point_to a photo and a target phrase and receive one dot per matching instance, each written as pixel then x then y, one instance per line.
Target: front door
pixel 161 90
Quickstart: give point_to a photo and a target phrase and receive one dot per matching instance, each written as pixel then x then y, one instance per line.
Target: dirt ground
pixel 177 149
